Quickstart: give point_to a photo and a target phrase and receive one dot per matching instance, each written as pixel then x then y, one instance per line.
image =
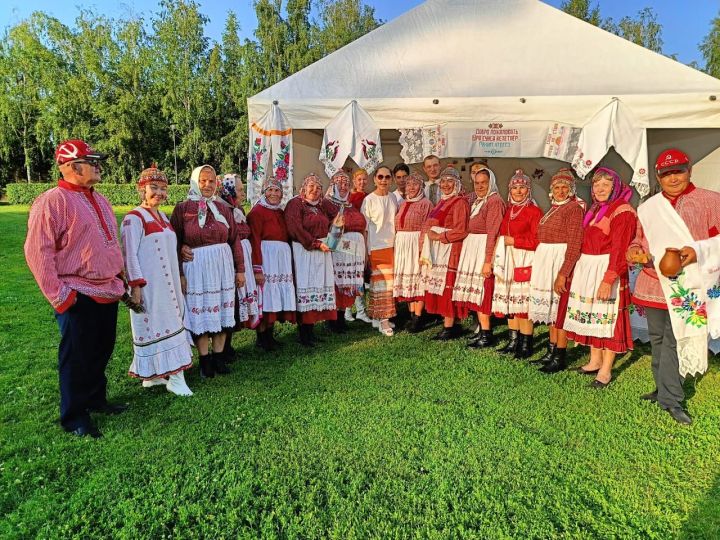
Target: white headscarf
pixel 492 188
pixel 451 172
pixel 205 203
pixel 418 178
pixel 270 182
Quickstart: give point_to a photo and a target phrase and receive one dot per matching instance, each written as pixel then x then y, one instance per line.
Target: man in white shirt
pixel 400 173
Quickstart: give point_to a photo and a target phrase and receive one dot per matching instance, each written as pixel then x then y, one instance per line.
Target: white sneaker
pixel 177 385
pixel 348 315
pixel 385 328
pixel 160 381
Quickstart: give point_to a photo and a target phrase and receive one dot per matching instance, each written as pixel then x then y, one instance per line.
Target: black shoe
pixel 219 363
pixel 587 371
pixel 650 396
pixel 680 416
pixel 483 340
pixel 557 362
pixel 599 385
pixel 546 359
pixel 416 324
pixel 511 344
pixel 525 347
pixel 340 324
pixel 87 429
pixel 207 367
pixel 446 334
pixel 110 408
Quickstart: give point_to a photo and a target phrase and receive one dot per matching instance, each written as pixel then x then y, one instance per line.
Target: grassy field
pixel 363 437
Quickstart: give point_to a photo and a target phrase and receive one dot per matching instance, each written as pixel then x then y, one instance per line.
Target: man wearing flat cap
pixel 72 250
pixel 677 320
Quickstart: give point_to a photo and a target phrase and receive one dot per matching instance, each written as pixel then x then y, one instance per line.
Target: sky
pixel 685 23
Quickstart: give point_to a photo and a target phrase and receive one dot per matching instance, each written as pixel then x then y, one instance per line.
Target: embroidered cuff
pixel 137 282
pixel 610 277
pixel 257 269
pixel 316 244
pixel 67 303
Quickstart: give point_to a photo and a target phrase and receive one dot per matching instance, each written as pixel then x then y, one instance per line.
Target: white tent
pixel 473 62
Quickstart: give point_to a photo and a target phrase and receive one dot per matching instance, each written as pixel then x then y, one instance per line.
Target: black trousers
pixel 665 366
pixel 87 340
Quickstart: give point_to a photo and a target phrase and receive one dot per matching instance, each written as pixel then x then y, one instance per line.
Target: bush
pixel 117 194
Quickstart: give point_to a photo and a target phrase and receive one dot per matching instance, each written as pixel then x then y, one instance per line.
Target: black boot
pixel 511 344
pixel 525 347
pixel 483 340
pixel 207 369
pixel 304 335
pixel 341 324
pixel 220 364
pixel 416 324
pixel 558 362
pixel 546 359
pixel 229 351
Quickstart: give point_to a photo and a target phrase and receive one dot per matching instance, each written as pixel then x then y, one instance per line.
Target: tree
pixel 344 21
pixel 643 30
pixel 710 48
pixel 582 10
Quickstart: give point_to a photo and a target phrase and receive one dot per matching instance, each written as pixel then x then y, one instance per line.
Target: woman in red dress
pixel 441 242
pixel 407 278
pixel 272 263
pixel 475 280
pixel 598 298
pixel 514 258
pixel 349 255
pixel 308 221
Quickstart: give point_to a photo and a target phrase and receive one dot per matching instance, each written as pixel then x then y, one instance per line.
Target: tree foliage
pixel 129 85
pixel 710 48
pixel 643 29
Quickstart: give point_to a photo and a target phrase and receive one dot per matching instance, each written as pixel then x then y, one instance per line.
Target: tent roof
pixel 478 58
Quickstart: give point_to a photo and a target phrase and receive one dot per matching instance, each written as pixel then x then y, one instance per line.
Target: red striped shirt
pixel 72 246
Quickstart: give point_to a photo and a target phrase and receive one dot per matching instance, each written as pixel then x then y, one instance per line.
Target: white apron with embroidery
pixel 434 262
pixel 586 315
pixel 349 264
pixel 210 297
pixel 314 279
pixel 469 282
pixel 161 344
pixel 249 308
pixel 407 280
pixel 510 297
pixel 708 260
pixel 685 295
pixel 278 292
pixel 544 301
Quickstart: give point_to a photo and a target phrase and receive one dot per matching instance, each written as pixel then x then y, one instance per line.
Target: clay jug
pixel 670 263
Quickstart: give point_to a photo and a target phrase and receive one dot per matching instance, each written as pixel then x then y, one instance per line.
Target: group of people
pixel 209 270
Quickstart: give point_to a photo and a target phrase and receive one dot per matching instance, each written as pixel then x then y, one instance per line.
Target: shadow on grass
pixel 704 521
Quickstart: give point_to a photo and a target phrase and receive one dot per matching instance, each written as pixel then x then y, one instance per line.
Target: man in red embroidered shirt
pixel 679 212
pixel 72 250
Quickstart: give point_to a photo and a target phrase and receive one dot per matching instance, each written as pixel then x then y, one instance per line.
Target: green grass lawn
pixel 363 437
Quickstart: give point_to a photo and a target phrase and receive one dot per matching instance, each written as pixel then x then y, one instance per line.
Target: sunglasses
pixel 383 177
pixel 92 162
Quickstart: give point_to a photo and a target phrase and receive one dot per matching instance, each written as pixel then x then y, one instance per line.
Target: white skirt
pixel 407 280
pixel 314 279
pixel 586 315
pixel 435 257
pixel 210 297
pixel 278 292
pixel 249 308
pixel 469 282
pixel 544 301
pixel 511 297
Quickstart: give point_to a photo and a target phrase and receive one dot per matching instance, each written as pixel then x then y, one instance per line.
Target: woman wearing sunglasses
pixel 379 209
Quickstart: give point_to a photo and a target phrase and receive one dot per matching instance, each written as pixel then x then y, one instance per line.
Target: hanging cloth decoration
pixel 615 126
pixel 352 133
pixel 419 142
pixel 270 137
